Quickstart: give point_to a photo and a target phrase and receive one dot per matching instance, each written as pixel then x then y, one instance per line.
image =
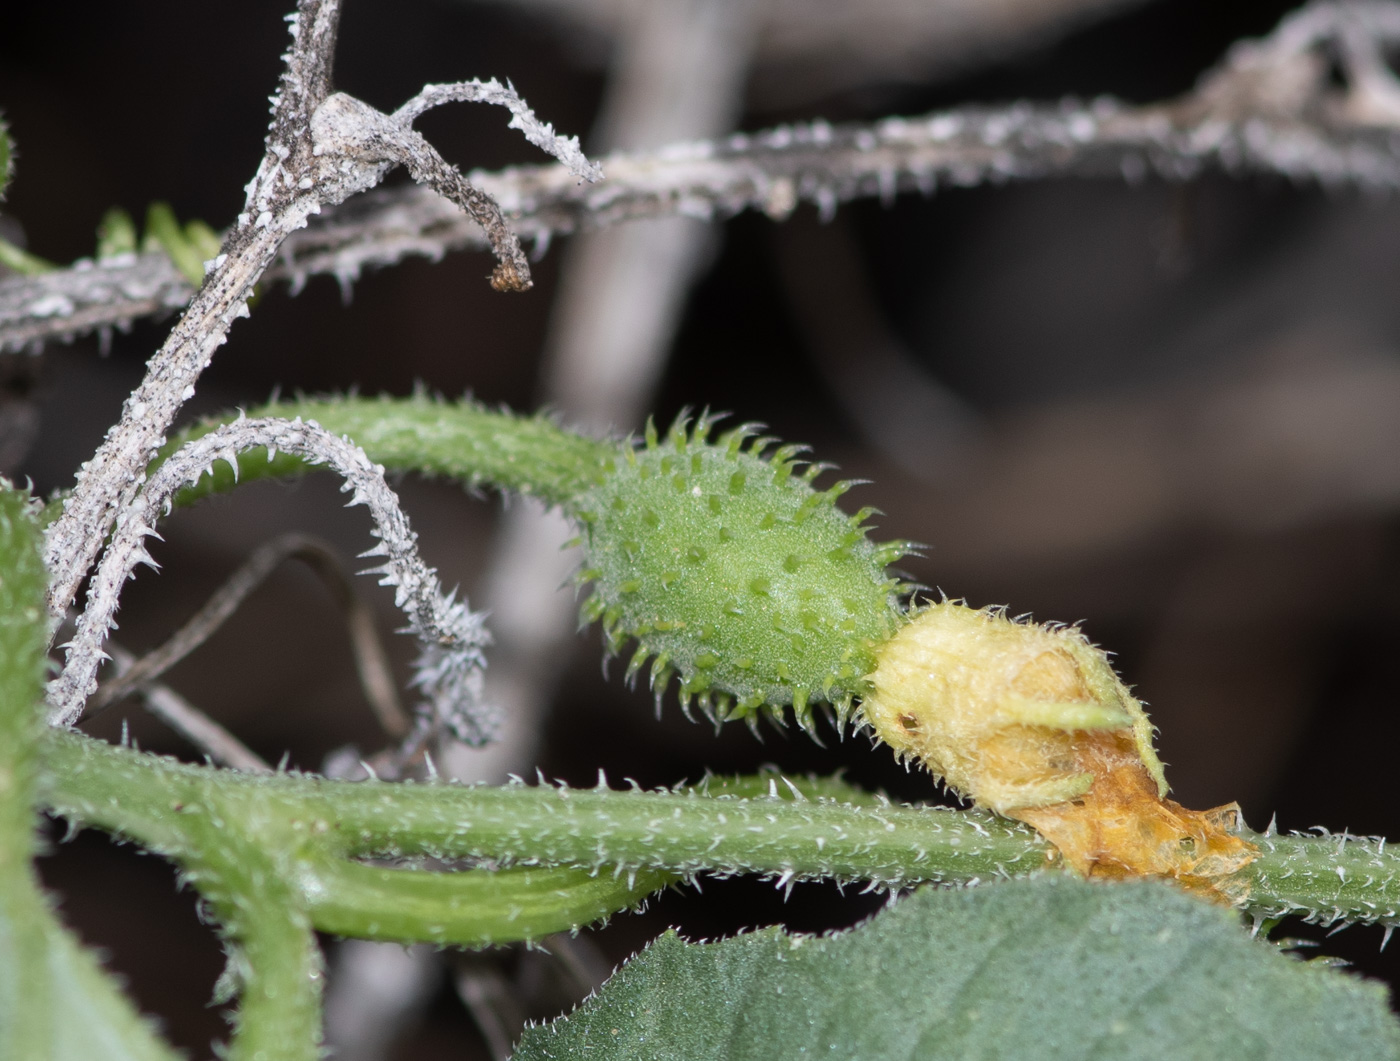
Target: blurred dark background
pixel 1169 411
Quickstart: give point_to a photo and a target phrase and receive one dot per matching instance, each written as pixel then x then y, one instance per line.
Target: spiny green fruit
pixel 733 573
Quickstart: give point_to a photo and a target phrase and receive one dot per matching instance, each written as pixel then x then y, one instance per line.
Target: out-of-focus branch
pixel 1270 107
pixel 194 725
pixel 376 676
pixel 88 296
pixel 806 49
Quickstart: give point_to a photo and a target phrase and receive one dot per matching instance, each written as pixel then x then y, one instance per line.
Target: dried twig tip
pixel 506 277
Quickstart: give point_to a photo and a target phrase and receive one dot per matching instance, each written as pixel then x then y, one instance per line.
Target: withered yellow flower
pixel 1032 722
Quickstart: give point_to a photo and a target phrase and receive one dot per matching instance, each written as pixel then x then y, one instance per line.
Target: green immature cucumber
pixel 728 569
pixel 732 572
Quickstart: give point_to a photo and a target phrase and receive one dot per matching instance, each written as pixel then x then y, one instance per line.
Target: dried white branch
pixel 1269 108
pixel 776 170
pixel 355 131
pixel 453 636
pixel 322 148
pixel 278 203
pixel 565 148
pixel 88 295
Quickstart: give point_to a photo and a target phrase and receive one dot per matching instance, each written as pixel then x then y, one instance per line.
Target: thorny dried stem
pixel 281 196
pixel 103 295
pixel 448 672
pixel 1269 107
pixel 322 148
pixel 376 676
pixel 565 148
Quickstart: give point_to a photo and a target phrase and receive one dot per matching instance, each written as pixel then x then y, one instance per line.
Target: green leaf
pixel 116 234
pixel 7 156
pixel 1048 968
pixel 188 248
pixel 56 1004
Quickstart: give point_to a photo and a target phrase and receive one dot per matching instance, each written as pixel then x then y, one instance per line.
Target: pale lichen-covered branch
pixel 453 636
pixel 322 147
pixel 1269 108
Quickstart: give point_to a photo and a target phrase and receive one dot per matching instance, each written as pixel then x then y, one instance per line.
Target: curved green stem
pixel 167 810
pixel 469 908
pixel 242 858
pixel 461 440
pixel 273 953
pixel 683 832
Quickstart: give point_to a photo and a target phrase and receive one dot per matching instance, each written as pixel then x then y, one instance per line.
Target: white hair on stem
pixel 448 672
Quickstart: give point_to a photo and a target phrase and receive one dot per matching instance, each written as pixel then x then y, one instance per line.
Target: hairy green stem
pixel 683 832
pixel 528 455
pixel 687 833
pixel 243 857
pixel 473 907
pixel 1326 878
pixel 273 954
pixel 758 825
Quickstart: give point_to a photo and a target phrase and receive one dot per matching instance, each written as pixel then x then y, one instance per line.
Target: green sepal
pixel 1069 716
